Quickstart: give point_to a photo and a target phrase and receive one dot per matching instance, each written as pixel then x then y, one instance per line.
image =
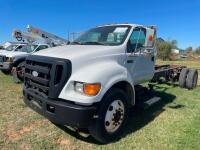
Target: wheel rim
pixel 114 116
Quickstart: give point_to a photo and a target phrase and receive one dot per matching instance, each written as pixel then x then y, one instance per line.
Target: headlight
pixel 87 88
pixel 9 59
pixel 78 87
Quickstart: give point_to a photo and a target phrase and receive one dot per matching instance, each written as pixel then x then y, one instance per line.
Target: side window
pixel 19 47
pixel 137 40
pixel 41 47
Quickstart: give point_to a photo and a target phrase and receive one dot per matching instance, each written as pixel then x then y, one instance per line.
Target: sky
pixel 175 19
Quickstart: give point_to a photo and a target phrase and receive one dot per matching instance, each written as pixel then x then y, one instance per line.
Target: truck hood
pixel 72 52
pixel 11 53
pixel 3 51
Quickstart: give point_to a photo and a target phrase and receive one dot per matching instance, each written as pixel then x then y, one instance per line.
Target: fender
pixel 19 59
pixel 107 73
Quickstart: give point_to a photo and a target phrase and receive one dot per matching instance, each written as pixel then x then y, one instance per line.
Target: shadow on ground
pixel 139 117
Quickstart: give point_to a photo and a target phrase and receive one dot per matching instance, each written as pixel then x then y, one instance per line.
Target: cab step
pixel 150 102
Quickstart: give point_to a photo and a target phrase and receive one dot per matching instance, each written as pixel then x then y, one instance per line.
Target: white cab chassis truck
pixel 91 82
pixel 8 59
pixel 10 47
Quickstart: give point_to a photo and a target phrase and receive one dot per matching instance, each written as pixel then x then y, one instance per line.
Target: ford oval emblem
pixel 35 73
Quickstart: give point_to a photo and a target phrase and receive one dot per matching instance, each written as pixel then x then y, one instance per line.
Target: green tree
pixel 164 49
pixel 174 43
pixel 197 50
pixel 189 49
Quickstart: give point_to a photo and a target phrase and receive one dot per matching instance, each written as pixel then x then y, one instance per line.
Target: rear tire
pixel 112 116
pixel 192 79
pixel 182 77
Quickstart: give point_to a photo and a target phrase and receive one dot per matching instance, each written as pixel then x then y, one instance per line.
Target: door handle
pixel 129 61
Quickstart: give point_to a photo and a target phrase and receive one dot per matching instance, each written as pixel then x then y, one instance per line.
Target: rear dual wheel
pixel 192 79
pixel 182 77
pixel 188 78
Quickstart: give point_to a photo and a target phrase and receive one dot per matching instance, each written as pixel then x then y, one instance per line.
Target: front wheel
pixel 18 74
pixel 112 116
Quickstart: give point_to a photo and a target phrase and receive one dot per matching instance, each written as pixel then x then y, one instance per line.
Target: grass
pixel 174 123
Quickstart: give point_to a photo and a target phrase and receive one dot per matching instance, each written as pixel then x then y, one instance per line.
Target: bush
pixel 164 49
pixel 197 51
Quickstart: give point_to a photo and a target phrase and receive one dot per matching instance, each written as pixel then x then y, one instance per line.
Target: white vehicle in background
pixel 12 46
pixel 18 61
pixel 8 59
pixel 15 60
pixel 9 47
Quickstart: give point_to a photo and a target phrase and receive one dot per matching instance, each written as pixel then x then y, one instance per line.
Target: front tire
pixel 18 75
pixel 112 116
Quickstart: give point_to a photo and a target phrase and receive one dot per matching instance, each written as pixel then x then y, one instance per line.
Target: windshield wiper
pixel 75 43
pixel 92 43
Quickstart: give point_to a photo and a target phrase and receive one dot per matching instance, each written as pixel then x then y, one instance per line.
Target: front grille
pixel 46 76
pixel 2 58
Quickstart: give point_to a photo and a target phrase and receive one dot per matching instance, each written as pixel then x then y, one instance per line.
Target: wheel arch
pixel 127 87
pixel 19 60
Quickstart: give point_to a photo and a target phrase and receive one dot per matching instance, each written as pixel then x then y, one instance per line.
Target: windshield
pixel 11 47
pixel 2 47
pixel 27 48
pixel 107 35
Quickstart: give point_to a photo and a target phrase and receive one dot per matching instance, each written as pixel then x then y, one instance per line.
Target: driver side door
pixel 140 61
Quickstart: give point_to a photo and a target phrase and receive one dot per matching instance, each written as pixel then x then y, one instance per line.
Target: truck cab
pixel 90 83
pixel 11 46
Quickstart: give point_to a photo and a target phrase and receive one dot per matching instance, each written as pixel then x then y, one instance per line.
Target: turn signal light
pixel 91 89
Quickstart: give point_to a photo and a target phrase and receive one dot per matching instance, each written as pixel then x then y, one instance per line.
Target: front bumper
pixel 7 66
pixel 60 111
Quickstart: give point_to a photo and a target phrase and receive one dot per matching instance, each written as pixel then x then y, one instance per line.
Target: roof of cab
pixel 128 24
pixel 120 24
pixel 15 43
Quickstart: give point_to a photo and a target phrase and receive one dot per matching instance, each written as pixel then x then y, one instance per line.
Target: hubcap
pixel 114 116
